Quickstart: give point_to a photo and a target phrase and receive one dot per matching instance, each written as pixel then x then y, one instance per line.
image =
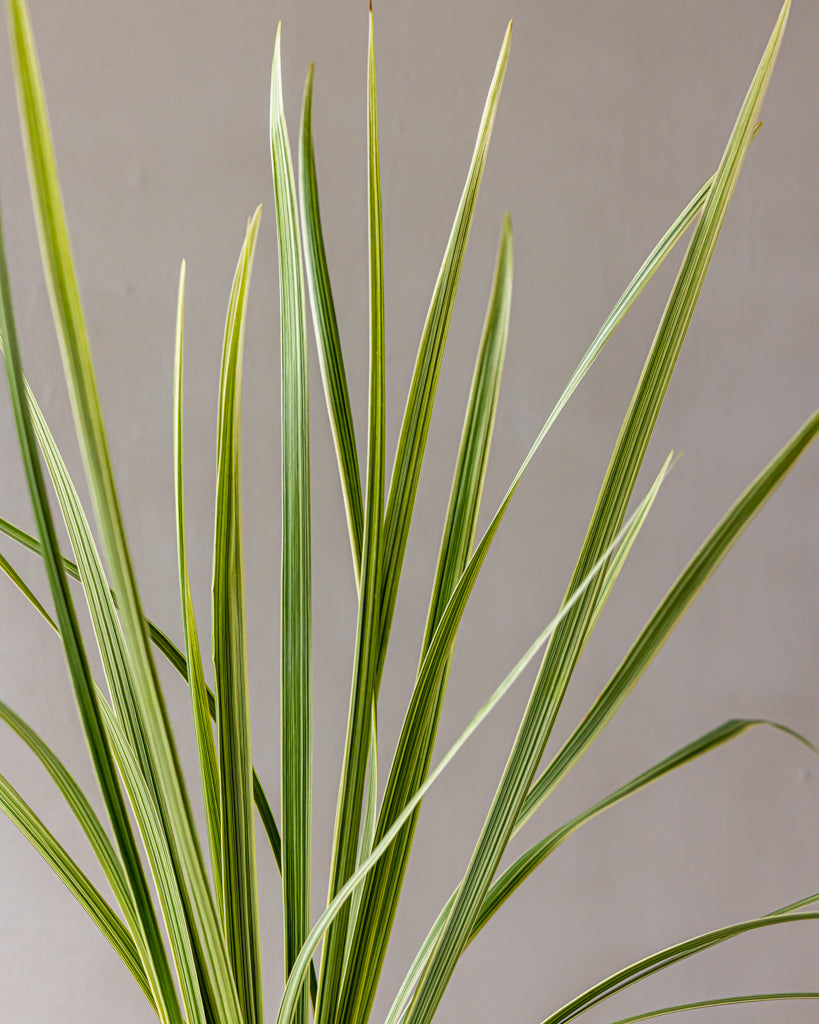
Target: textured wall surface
pixel 613 114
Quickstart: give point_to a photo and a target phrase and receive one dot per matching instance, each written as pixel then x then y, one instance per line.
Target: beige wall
pixel 613 114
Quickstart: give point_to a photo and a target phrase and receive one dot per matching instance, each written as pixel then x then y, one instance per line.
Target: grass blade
pixel 331 361
pixel 294 982
pixel 208 767
pixel 296 598
pixel 414 751
pixel 80 808
pixel 67 870
pixel 365 667
pixel 523 866
pixel 418 413
pixel 669 612
pixel 666 958
pixel 238 846
pixel 725 1001
pixel 568 641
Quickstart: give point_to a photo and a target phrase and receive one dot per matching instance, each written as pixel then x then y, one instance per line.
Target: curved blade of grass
pixel 240 913
pixel 365 666
pixel 69 321
pixel 524 865
pixel 418 413
pixel 705 1004
pixel 382 889
pixel 294 982
pixel 80 807
pixel 296 598
pixel 206 748
pixel 668 614
pixel 666 958
pixel 69 872
pixel 96 590
pixel 325 324
pixel 568 641
pixel 176 658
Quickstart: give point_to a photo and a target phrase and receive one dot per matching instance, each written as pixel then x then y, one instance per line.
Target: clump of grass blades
pixel 192 942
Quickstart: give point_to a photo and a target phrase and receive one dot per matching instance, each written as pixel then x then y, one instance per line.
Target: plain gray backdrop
pixel 613 114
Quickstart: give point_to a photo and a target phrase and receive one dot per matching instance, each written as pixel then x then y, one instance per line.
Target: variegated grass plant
pixel 191 939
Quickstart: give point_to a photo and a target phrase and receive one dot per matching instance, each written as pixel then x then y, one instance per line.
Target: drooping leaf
pixel 67 870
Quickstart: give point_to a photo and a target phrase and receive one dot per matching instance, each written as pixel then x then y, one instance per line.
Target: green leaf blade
pixel 238 846
pixel 418 412
pixel 325 324
pixel 206 748
pixel 296 594
pixel 366 661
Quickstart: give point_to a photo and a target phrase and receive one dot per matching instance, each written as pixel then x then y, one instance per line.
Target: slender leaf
pixel 206 748
pixel 365 667
pixel 331 361
pixel 296 599
pixel 666 958
pixel 240 913
pixel 80 807
pixel 524 865
pixel 67 870
pixel 706 1004
pixel 418 412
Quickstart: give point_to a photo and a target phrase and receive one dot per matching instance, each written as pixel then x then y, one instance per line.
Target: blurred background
pixel 612 116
